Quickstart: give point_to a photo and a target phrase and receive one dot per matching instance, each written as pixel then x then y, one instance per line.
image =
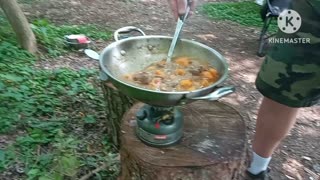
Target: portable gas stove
pixel 159 126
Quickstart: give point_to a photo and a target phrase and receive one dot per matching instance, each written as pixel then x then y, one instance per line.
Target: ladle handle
pixel 126 29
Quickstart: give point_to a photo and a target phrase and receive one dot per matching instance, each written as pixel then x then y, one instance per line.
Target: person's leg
pixel 288 79
pixel 273 124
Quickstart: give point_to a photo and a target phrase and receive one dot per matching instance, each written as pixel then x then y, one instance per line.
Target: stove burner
pixel 159 126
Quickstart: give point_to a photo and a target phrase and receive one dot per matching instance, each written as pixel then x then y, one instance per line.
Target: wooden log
pixel 117 104
pixel 214 147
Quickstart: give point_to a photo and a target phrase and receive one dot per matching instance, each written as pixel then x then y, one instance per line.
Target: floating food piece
pixel 215 75
pixel 180 72
pixel 214 72
pixel 141 77
pixel 173 84
pixel 214 79
pixel 155 83
pixel 128 77
pixel 159 73
pixel 192 88
pixel 207 74
pixel 196 71
pixel 186 84
pixel 204 83
pixel 183 61
pixel 161 64
pixel 163 87
pixel 150 68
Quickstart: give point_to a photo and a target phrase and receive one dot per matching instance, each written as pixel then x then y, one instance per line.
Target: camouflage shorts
pixel 290 73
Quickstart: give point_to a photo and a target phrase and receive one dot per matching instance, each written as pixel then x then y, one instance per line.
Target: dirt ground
pixel 298 156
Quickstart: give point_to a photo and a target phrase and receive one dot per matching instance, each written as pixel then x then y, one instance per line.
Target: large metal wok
pixel 135 53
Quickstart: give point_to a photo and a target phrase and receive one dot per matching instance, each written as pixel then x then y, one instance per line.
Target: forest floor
pixel 298 157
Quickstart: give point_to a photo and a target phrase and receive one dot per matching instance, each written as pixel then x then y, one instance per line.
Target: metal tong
pixel 179 26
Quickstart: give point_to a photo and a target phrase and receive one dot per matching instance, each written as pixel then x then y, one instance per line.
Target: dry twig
pixel 98 169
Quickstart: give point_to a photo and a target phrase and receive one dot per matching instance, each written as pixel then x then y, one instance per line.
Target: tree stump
pixel 213 147
pixel 117 104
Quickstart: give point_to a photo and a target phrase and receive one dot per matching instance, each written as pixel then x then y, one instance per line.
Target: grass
pixel 54 119
pixel 246 13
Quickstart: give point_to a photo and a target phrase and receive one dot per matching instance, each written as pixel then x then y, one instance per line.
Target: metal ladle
pixel 179 26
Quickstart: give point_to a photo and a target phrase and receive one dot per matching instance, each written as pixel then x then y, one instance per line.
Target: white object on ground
pixel 260 2
pixel 258 164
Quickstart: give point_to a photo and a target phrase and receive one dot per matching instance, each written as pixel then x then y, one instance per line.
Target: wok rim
pixel 212 86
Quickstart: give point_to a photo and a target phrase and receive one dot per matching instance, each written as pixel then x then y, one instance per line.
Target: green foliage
pixel 6 33
pixel 2 159
pixel 89 119
pixel 52 37
pixel 6 158
pixel 46 107
pixel 11 89
pixel 246 13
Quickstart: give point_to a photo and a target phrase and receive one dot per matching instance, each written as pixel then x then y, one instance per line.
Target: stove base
pixel 155 140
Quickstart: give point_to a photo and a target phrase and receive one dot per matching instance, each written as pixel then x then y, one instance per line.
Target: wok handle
pixel 217 94
pixel 126 29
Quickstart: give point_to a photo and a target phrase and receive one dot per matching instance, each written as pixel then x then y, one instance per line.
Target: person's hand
pixel 179 7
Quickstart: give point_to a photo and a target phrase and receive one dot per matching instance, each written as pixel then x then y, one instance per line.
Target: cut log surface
pixel 213 147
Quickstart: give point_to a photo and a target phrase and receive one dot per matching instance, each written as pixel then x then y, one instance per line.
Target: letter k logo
pixel 289 21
